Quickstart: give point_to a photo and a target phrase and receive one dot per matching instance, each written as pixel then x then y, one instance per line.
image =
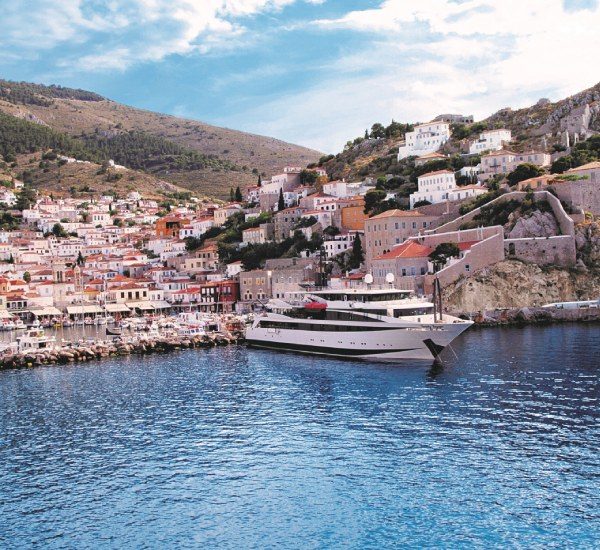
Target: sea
pixel 499 447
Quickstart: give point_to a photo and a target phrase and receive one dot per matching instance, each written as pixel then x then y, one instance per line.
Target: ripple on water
pixel 238 448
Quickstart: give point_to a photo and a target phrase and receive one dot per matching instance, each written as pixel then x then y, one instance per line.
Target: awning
pixel 79 310
pixel 48 310
pixel 160 304
pixel 143 305
pixel 116 308
pixel 4 314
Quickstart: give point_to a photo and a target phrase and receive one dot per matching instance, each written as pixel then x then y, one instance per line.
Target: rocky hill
pixel 514 284
pixel 540 126
pixel 229 157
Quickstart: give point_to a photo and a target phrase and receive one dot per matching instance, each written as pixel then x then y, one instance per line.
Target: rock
pixel 537 224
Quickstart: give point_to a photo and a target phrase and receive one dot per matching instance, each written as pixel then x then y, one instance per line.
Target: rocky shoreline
pixel 103 349
pixel 531 316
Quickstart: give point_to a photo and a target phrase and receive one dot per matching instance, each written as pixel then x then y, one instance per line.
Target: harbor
pixel 36 346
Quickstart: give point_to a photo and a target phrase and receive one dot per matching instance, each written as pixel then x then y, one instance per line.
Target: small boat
pixel 191 330
pixel 114 331
pixel 35 339
pixel 88 321
pixel 99 320
pixel 20 325
pixel 8 325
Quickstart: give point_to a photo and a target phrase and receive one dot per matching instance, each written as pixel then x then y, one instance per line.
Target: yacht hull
pixel 386 344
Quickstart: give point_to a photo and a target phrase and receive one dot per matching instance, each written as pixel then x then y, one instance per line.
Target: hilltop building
pixel 425 138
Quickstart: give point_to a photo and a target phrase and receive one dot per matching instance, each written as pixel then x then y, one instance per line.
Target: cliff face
pixel 513 284
pixel 587 236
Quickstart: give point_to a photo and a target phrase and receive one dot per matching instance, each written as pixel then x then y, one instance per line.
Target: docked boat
pixel 191 331
pixel 35 339
pixel 363 323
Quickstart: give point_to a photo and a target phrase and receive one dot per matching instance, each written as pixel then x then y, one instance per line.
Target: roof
pixel 396 212
pixel 436 173
pixel 432 156
pixel 466 245
pixel 589 166
pixel 408 249
pixel 500 153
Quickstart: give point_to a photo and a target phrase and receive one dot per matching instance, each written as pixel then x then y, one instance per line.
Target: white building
pixel 434 187
pixel 337 189
pixel 425 138
pixel 490 140
pixel 337 244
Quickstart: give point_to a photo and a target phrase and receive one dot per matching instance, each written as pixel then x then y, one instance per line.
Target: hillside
pixel 538 126
pixel 84 179
pixel 232 157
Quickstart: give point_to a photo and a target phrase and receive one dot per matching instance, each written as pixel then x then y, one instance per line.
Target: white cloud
pixel 131 30
pixel 436 56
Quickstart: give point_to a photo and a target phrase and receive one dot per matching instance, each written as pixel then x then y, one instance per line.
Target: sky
pixel 312 72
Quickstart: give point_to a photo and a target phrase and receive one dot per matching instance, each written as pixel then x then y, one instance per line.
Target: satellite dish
pixel 389 278
pixel 368 278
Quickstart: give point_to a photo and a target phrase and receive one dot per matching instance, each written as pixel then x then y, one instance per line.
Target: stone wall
pixel 558 250
pixel 580 193
pixel 480 255
pixel 554 250
pixel 564 221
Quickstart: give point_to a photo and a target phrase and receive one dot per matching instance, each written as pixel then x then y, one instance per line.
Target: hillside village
pixel 460 207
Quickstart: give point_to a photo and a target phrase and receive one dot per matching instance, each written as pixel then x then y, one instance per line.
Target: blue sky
pixel 314 72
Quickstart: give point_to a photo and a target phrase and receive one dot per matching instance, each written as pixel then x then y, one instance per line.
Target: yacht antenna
pixel 437 300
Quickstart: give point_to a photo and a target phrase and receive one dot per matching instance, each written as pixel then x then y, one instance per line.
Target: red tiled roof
pixel 408 249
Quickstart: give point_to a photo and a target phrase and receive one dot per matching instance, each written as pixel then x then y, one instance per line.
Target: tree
pixel 58 230
pixel 238 194
pixel 231 194
pixel 27 277
pixel 331 231
pixel 25 198
pixel 308 177
pixel 373 198
pixel 80 259
pixel 281 201
pixel 259 182
pixel 377 131
pixel 356 256
pixel 442 253
pixel 524 172
pixel 421 203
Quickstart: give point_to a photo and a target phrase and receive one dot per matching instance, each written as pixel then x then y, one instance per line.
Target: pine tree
pixel 238 194
pixel 356 256
pixel 231 195
pixel 259 183
pixel 280 202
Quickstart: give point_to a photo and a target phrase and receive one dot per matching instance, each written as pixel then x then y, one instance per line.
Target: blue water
pixel 235 448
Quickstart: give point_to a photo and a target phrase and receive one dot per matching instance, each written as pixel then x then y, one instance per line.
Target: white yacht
pixel 370 324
